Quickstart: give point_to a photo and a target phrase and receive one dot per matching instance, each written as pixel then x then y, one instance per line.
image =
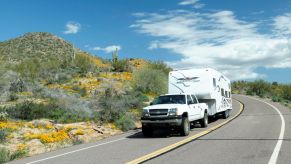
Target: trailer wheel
pixel 147 131
pixel 225 114
pixel 185 127
pixel 204 121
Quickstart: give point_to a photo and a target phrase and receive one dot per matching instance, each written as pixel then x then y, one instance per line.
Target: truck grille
pixel 158 112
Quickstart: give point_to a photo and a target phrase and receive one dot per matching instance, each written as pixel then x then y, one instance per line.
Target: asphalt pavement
pixel 249 138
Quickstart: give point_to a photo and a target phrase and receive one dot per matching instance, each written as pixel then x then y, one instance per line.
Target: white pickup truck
pixel 176 111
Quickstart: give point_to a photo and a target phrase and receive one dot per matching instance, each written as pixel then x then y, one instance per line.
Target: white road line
pixel 74 151
pixel 277 148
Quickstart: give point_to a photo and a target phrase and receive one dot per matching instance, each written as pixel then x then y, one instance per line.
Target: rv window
pixel 214 82
pixel 194 99
pixel 222 92
pixel 226 94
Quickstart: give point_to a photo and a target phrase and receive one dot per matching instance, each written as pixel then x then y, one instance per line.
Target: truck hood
pixel 164 106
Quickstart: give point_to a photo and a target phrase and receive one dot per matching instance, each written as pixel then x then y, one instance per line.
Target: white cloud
pixel 282 24
pixel 218 40
pixel 108 49
pixel 72 28
pixel 188 2
pixel 193 3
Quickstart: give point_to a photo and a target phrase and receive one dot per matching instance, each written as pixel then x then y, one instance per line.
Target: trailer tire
pixel 147 131
pixel 204 120
pixel 185 127
pixel 225 114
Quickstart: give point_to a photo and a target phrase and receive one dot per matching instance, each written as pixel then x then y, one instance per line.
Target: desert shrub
pixel 121 66
pixel 81 91
pixel 125 123
pixel 12 97
pixel 18 154
pixel 249 92
pixel 112 109
pixel 84 63
pixel 17 85
pixel 3 134
pixel 29 68
pixel 4 155
pixel 149 80
pixel 276 99
pixel 3 115
pixel 160 65
pixel 29 111
pixel 115 106
pixel 287 92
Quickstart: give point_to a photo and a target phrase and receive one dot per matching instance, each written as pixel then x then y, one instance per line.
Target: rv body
pixel 209 86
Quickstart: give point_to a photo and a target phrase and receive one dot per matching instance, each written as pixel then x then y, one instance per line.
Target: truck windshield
pixel 171 99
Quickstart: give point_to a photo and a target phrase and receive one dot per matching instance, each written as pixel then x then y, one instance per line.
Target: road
pixel 254 136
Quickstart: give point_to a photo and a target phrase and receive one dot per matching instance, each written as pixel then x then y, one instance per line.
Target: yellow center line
pixel 187 140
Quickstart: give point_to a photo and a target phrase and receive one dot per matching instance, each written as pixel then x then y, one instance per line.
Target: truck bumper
pixel 162 121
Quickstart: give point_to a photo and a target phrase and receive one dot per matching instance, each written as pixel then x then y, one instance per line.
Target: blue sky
pixel 246 40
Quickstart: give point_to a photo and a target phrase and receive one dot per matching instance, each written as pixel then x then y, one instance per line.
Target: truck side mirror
pixel 151 103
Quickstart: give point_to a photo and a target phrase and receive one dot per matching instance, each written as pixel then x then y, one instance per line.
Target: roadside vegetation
pixel 274 91
pixel 53 95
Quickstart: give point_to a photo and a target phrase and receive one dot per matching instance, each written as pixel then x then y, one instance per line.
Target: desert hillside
pixel 54 95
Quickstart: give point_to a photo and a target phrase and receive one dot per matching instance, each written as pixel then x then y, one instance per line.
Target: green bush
pixel 160 65
pixel 125 123
pixel 84 63
pixel 3 115
pixel 18 154
pixel 4 155
pixel 81 91
pixel 29 68
pixel 260 88
pixel 115 106
pixel 276 99
pixel 13 97
pixel 148 80
pixel 121 66
pixel 3 134
pixel 30 111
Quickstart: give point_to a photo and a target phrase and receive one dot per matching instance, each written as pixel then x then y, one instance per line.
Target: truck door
pixel 197 108
pixel 192 108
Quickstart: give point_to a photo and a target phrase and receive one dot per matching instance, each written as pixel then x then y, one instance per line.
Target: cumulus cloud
pixel 282 24
pixel 108 49
pixel 72 28
pixel 217 39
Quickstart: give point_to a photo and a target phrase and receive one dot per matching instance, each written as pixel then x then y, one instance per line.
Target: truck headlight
pixel 173 111
pixel 145 113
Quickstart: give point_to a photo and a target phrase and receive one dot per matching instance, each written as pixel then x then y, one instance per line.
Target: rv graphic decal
pixel 188 79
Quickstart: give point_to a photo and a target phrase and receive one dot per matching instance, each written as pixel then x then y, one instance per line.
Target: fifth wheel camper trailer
pixel 209 86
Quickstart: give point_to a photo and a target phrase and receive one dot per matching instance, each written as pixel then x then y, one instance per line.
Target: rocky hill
pixel 41 45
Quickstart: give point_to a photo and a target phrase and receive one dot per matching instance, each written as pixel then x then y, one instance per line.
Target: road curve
pixel 250 138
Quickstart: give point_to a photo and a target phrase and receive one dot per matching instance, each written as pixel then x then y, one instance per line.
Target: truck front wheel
pixel 185 127
pixel 204 121
pixel 147 131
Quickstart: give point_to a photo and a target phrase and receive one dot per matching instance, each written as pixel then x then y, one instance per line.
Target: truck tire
pixel 225 114
pixel 147 131
pixel 204 121
pixel 185 127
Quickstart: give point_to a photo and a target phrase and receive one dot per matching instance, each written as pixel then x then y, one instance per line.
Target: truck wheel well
pixel 185 114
